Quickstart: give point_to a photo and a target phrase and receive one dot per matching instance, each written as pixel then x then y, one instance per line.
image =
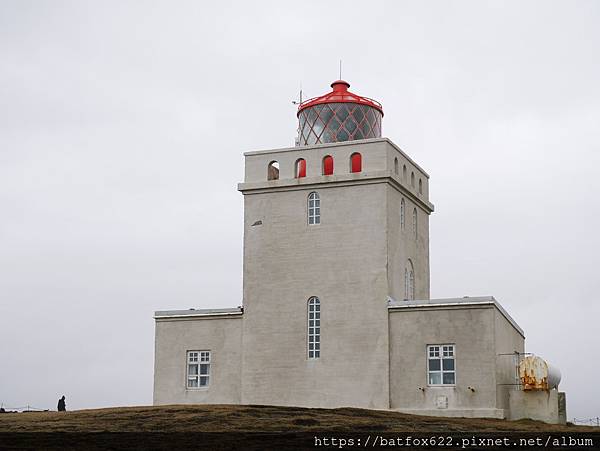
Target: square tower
pixel 345 224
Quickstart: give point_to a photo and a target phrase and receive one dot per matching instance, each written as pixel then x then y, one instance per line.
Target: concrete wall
pixel 377 155
pixel 508 342
pixel 471 329
pixel 343 262
pixel 402 245
pixel 541 405
pixel 174 337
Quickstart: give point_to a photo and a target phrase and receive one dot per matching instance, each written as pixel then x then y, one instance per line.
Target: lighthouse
pixel 336 307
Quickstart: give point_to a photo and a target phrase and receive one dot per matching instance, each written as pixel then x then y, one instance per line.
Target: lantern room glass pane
pixel 350 124
pixel 333 125
pixel 326 114
pixel 341 112
pixel 335 122
pixel 359 113
pixel 342 135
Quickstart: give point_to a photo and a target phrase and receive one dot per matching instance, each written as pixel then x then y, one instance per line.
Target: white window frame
pixel 197 369
pixel 402 214
pixel 414 221
pixel 313 331
pixel 441 352
pixel 314 208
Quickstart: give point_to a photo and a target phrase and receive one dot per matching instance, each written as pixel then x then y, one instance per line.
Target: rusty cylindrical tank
pixel 536 374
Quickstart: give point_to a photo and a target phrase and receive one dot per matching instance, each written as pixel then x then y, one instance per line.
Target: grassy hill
pixel 240 427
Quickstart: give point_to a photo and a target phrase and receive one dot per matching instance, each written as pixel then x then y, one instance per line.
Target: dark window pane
pixel 326 114
pixel 448 378
pixel 448 364
pixel 434 364
pixel 358 135
pixel 371 116
pixel 350 124
pixel 318 127
pixel 435 378
pixel 366 129
pixel 359 113
pixel 342 135
pixel 333 125
pixel 326 137
pixel 341 112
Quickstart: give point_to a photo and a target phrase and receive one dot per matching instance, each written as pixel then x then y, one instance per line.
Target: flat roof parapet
pixel 465 301
pixel 190 313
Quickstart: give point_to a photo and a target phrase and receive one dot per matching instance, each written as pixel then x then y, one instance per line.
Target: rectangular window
pixel 440 365
pixel 314 209
pixel 198 369
pixel 314 328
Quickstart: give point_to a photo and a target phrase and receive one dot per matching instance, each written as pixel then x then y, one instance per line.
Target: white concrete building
pixel 336 309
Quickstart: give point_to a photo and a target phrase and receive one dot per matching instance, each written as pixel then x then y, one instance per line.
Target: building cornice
pixel 321 181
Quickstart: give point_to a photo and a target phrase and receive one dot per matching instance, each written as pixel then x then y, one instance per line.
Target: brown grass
pixel 264 419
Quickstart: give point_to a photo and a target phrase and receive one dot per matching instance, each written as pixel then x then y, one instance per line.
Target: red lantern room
pixel 338 116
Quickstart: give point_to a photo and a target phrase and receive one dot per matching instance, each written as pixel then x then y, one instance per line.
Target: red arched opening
pixel 300 168
pixel 328 165
pixel 355 162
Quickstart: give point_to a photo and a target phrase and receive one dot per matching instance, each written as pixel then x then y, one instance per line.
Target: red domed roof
pixel 340 94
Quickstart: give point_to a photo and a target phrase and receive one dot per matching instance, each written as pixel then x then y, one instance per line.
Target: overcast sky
pixel 122 128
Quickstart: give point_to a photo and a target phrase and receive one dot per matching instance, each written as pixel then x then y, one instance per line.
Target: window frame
pixel 356 163
pixel 313 328
pixel 415 223
pixel 402 214
pixel 273 170
pixel 313 205
pixel 203 357
pixel 300 168
pixel 441 351
pixel 327 165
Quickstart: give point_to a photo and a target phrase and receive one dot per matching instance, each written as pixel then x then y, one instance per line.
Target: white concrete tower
pixel 332 228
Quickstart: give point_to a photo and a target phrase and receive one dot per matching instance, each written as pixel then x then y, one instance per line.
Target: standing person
pixel 61 404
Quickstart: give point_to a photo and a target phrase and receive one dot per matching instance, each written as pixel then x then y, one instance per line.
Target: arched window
pixel 328 165
pixel 414 223
pixel 412 179
pixel 355 162
pixel 314 328
pixel 314 209
pixel 396 166
pixel 300 169
pixel 273 171
pixel 402 213
pixel 409 281
pixel 404 171
pixel 420 186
